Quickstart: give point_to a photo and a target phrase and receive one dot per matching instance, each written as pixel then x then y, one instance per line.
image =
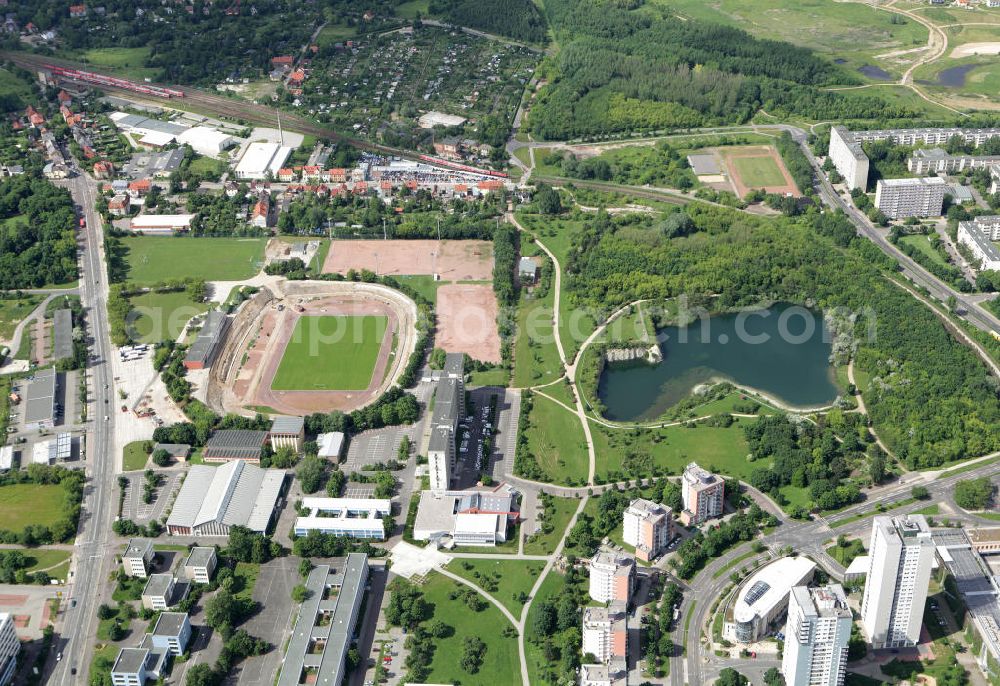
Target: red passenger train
pixel 101 80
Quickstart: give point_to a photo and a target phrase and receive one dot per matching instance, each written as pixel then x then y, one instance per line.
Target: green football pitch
pixel 328 353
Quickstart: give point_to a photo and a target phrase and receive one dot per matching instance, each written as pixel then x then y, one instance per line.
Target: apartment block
pixel 980 236
pixel 648 526
pixel 449 406
pixel 849 159
pixel 612 577
pixel 816 636
pixel 10 646
pixel 704 495
pixel 605 634
pixel 900 557
pixel 138 557
pixel 919 197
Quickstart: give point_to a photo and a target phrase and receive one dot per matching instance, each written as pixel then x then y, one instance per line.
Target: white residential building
pixel 612 577
pixel 980 236
pixel 138 557
pixel 919 197
pixel 605 635
pixel 901 554
pixel 704 494
pixel 648 526
pixel 9 648
pixel 847 156
pixel 816 637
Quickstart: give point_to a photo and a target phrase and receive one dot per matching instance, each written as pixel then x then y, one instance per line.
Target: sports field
pixel 331 353
pixel 159 316
pixel 758 172
pixel 155 259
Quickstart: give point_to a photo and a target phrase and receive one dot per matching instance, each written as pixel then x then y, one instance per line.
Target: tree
pixel 730 677
pixel 223 611
pixel 161 458
pixel 974 494
pixel 548 200
pixel 105 611
pixel 300 593
pixel 920 493
pixel 473 651
pixel 773 677
pixel 201 675
pixel 312 473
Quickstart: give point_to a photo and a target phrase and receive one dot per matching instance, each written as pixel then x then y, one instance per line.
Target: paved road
pixel 90 566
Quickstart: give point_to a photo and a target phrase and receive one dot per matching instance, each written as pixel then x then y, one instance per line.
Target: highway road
pixel 92 557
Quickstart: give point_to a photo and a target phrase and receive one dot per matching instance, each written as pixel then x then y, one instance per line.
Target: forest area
pixel 37 242
pixel 910 357
pixel 623 70
pixel 518 19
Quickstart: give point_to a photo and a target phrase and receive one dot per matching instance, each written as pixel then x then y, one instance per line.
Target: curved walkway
pixel 15 341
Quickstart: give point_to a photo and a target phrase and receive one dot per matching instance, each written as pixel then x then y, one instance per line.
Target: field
pixel 545 543
pixel 556 439
pixel 153 259
pixel 10 84
pixel 451 260
pixel 501 653
pixel 134 456
pixel 24 504
pixel 13 311
pixel 331 353
pixel 467 321
pixel 980 78
pixel 759 166
pixel 920 242
pixel 850 31
pixel 126 61
pixel 536 358
pixel 161 316
pixel 510 578
pixel 720 450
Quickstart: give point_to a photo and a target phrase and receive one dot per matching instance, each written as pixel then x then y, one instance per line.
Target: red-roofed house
pixel 286 174
pixel 64 97
pixel 103 170
pixel 118 205
pixel 490 185
pixel 78 11
pixel 297 77
pixel 461 189
pixel 260 213
pixel 34 118
pixel 311 173
pixel 140 187
pixel 360 187
pixel 282 61
pixel 337 175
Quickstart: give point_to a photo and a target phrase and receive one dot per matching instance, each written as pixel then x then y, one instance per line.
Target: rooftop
pixel 918 181
pixel 138 547
pixel 214 327
pixel 62 334
pixel 236 444
pixel 770 586
pixel 130 660
pixel 158 584
pixel 287 425
pixel 41 397
pixel 170 623
pixel 199 556
pixel 236 493
pixel 330 444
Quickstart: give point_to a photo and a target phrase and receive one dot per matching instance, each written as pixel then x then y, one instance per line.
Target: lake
pixel 746 348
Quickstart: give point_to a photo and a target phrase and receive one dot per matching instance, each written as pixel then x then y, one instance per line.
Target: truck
pixel 83 222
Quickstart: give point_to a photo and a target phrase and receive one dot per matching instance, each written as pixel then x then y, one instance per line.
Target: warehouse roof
pixel 178 451
pixel 212 330
pixel 205 140
pixel 162 221
pixel 330 444
pixel 41 402
pixel 287 425
pixel 261 158
pixel 235 444
pixel 236 493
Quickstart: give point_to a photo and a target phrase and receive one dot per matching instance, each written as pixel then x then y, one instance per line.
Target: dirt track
pixel 728 156
pixel 467 321
pixel 453 260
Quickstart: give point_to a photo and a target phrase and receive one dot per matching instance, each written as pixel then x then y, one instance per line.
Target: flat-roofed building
pixel 703 493
pixel 177 451
pixel 138 557
pixel 161 223
pixel 202 352
pixel 980 236
pixel 261 160
pixel 200 564
pixel 605 633
pixel 288 432
pixel 172 632
pixel 849 159
pixel 163 591
pixel 227 445
pixel 6 457
pixel 901 555
pixel 327 623
pixel 613 674
pixel 40 406
pixel 132 667
pixel 479 529
pixel 985 541
pixel 10 646
pixel 206 141
pixel 935 160
pixel 648 526
pixel 213 499
pixel 438 512
pixel 351 517
pixel 919 197
pixel 612 577
pixel 449 402
pixel 763 598
pixel 816 636
pixel 331 445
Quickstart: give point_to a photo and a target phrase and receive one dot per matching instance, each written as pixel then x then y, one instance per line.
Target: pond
pixel 783 352
pixel 954 77
pixel 876 73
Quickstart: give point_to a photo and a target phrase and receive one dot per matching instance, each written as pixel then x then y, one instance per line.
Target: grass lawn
pixel 410 9
pixel 556 439
pixel 424 284
pixel 10 84
pixel 13 311
pixel 333 33
pixel 317 261
pixel 246 574
pixel 719 450
pixel 331 353
pixel 129 61
pixel 207 165
pixel 536 358
pixel 154 259
pixel 928 511
pixel 134 457
pixel 24 504
pixel 846 554
pixel 501 653
pixel 534 653
pixel 159 316
pixel 758 172
pixel 558 515
pixel 491 377
pixel 921 243
pixel 503 579
pixel 48 560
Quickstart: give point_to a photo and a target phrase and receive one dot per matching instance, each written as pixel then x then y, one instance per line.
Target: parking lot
pixel 273 592
pixel 141 512
pixel 492 417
